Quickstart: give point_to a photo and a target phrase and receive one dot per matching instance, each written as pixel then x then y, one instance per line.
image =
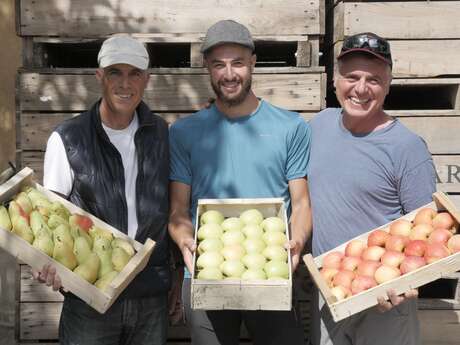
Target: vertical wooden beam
pixel 196 58
pixel 303 54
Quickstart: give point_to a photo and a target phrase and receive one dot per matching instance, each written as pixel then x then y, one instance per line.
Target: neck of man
pixel 114 120
pixel 247 107
pixel 370 123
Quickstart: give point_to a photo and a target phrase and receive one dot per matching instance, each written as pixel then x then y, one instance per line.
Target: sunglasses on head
pixel 364 41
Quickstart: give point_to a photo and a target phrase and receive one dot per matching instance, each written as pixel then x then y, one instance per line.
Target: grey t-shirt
pixel 359 182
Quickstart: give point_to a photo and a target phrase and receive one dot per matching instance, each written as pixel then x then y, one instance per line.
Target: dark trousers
pixel 223 327
pixel 127 322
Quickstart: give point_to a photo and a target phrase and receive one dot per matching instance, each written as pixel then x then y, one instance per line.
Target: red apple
pixel 367 268
pixel 328 274
pixel 340 292
pixel 373 253
pixel 377 238
pixel 411 263
pixel 454 244
pixel 435 251
pixel 385 273
pixel 350 263
pixel 400 227
pixel 425 216
pixel 392 258
pixel 355 248
pixel 415 248
pixel 396 242
pixel 443 220
pixel 421 231
pixel 362 283
pixel 343 278
pixel 332 260
pixel 439 236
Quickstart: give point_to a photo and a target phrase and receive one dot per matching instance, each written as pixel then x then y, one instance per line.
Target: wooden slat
pixel 42 92
pixel 72 17
pixel 33 291
pixel 39 320
pixel 399 20
pixel 439 327
pixel 419 58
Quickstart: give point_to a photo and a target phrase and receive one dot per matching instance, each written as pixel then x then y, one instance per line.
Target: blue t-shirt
pixel 359 182
pixel 252 156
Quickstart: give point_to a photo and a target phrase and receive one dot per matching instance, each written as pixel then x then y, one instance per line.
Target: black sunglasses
pixel 364 41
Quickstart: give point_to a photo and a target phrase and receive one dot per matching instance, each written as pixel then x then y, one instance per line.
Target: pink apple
pixel 385 273
pixel 421 231
pixel 373 253
pixel 425 216
pixel 415 248
pixel 367 268
pixel 343 278
pixel 396 242
pixel 392 258
pixel 362 283
pixel 443 220
pixel 328 274
pixel 400 227
pixel 435 251
pixel 377 238
pixel 411 263
pixel 340 292
pixel 350 263
pixel 355 248
pixel 454 244
pixel 439 236
pixel 332 260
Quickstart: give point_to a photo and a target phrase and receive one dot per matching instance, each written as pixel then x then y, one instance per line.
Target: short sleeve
pixel 57 173
pixel 298 154
pixel 180 169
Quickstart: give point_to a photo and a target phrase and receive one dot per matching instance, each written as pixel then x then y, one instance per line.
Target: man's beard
pixel 235 100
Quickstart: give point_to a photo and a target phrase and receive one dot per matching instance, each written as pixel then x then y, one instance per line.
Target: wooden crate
pixel 236 293
pixel 22 250
pixel 366 299
pixel 418 49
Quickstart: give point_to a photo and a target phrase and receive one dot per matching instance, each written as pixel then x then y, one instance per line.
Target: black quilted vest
pixel 99 186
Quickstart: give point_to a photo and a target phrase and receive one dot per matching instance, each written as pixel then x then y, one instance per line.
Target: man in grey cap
pixel 239 147
pixel 113 161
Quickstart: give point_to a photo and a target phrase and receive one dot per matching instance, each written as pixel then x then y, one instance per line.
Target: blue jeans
pixel 127 322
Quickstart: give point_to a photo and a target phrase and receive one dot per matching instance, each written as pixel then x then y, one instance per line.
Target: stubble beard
pixel 235 100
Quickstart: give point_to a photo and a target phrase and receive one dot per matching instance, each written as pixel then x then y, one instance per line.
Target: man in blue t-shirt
pixel 240 147
pixel 366 169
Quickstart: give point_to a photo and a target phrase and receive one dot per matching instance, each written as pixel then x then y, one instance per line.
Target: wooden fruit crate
pixel 235 293
pixel 22 250
pixel 366 299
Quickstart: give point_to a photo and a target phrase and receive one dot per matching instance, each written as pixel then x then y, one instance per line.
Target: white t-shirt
pixel 58 175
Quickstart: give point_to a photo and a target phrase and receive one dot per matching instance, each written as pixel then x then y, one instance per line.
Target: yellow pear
pixel 94 232
pixel 22 229
pixel 44 242
pixel 14 210
pixel 37 223
pixel 5 221
pixel 81 249
pixel 63 233
pixel 121 243
pixel 63 253
pixel 59 209
pixel 55 220
pixel 119 258
pixel 105 280
pixel 106 262
pixel 88 270
pixel 77 232
pixel 38 199
pixel 101 244
pixel 23 200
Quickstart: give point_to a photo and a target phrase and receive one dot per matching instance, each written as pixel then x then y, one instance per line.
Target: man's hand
pixel 394 299
pixel 48 276
pixel 296 249
pixel 188 247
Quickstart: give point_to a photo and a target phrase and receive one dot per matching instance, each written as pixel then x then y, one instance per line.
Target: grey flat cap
pixel 123 49
pixel 227 31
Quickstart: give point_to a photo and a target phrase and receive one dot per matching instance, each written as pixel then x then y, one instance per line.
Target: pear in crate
pixel 37 223
pixel 63 253
pixel 14 210
pixel 5 222
pixel 23 200
pixel 63 232
pixel 44 242
pixel 38 199
pixel 103 249
pixel 22 229
pixel 58 209
pixel 81 249
pixel 119 258
pixel 125 245
pixel 76 232
pixel 55 220
pixel 94 232
pixel 81 221
pixel 105 280
pixel 89 269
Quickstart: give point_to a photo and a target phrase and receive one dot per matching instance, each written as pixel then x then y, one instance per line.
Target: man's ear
pixel 253 61
pixel 99 74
